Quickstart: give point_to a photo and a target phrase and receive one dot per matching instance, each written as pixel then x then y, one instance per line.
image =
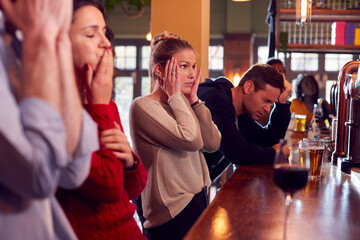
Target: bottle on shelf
pixel 314 127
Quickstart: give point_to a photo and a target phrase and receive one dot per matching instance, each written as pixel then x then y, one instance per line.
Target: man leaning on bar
pixel 235 111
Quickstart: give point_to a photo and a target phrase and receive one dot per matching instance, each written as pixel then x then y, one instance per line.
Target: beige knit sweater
pixel 169 140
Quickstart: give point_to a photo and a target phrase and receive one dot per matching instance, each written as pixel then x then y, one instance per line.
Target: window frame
pixel 137 72
pixel 213 74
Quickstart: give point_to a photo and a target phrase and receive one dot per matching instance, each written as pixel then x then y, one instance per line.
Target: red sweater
pixel 101 207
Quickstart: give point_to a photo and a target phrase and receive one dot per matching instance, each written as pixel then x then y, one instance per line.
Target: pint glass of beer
pixel 300 121
pixel 315 148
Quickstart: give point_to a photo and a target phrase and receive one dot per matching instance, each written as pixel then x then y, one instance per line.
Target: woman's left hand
pixel 114 139
pixel 192 96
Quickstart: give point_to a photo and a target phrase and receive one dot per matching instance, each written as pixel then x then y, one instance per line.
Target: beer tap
pixel 347 139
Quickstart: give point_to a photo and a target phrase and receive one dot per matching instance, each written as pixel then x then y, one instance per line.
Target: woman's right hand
pixel 170 82
pixel 99 84
pixel 115 140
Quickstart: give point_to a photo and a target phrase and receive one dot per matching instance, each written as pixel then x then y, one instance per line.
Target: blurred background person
pixel 101 207
pixel 278 64
pixel 306 92
pixel 306 96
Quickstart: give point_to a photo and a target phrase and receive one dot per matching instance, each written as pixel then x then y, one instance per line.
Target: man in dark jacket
pixel 235 111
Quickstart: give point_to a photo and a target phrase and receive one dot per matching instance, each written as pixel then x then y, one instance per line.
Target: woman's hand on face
pixel 170 82
pixel 192 96
pixel 99 84
pixel 114 139
pixel 39 17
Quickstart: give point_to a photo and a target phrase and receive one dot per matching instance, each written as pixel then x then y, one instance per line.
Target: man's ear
pixel 248 87
pixel 158 70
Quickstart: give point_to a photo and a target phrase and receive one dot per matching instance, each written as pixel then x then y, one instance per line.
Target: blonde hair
pixel 163 47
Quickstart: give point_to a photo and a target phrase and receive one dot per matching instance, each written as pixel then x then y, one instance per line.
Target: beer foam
pixel 312 147
pixel 316 147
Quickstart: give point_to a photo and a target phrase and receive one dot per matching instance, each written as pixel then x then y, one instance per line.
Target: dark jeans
pixel 139 212
pixel 177 227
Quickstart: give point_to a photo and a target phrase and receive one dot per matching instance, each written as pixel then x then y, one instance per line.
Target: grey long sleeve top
pixel 33 162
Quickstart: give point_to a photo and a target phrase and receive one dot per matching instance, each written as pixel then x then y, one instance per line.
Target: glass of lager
pixel 315 148
pixel 300 121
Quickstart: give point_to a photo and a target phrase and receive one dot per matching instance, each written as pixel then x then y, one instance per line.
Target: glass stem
pixel 288 201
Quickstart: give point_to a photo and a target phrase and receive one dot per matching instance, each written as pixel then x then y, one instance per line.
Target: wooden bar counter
pixel 251 206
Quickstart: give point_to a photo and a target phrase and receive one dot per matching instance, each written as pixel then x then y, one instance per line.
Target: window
pixel 145 86
pixel 334 62
pixel 263 53
pixel 304 62
pixel 131 80
pixel 145 57
pixel 123 88
pixel 125 57
pixel 216 57
pixel 328 86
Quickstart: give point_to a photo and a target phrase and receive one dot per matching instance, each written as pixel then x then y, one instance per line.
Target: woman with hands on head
pixel 170 128
pixel 101 207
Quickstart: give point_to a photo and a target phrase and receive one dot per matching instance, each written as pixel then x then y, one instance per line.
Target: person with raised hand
pixel 101 208
pixel 170 128
pixel 41 147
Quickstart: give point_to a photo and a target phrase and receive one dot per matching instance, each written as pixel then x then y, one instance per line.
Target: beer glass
pixel 315 148
pixel 300 121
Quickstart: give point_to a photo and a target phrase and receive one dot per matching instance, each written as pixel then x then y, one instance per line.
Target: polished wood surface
pixel 251 206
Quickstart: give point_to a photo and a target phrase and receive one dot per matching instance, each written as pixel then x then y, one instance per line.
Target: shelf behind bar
pixel 324 15
pixel 317 48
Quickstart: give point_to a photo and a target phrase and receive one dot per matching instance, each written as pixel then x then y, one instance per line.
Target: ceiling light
pixel 303 11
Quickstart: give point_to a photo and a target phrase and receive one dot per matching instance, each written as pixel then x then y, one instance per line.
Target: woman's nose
pixel 104 42
pixel 192 73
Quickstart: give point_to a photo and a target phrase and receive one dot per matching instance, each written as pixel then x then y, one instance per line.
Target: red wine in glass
pixel 290 178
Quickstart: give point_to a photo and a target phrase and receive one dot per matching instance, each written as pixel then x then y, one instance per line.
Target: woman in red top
pixel 101 207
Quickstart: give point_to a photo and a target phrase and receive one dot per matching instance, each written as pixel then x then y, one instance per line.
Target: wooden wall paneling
pixel 238 53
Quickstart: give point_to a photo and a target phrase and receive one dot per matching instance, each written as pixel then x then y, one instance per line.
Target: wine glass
pixel 291 173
